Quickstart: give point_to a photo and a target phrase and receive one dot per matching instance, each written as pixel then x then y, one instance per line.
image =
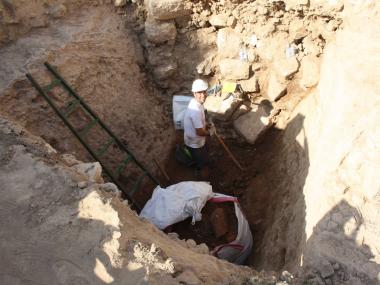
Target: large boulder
pixel 234 69
pixel 222 107
pixel 160 31
pixel 251 85
pixel 251 125
pixel 228 43
pixel 276 87
pixel 219 20
pixel 167 9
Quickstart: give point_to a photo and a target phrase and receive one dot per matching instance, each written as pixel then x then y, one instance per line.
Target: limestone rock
pixel 159 32
pixel 109 187
pixel 297 29
pixel 165 71
pixel 166 9
pixel 91 171
pixel 228 43
pixel 311 47
pixel 286 67
pixel 221 109
pixel 243 109
pixel 206 67
pixel 273 47
pixel 250 85
pixel 219 20
pixel 276 87
pixel 234 69
pixel 120 3
pixel 254 123
pixel 58 11
pixel 294 4
pixel 310 71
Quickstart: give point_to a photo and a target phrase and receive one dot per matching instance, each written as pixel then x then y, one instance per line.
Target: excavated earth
pixel 305 131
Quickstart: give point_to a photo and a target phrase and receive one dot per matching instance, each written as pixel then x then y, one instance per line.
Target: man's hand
pixel 212 129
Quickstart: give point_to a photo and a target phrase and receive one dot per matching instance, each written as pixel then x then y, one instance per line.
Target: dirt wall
pixel 97 53
pixel 326 218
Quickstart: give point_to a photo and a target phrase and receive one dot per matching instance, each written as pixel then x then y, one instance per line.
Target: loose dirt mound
pixel 54 232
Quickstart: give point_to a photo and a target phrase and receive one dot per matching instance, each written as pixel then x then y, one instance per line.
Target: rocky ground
pixel 304 129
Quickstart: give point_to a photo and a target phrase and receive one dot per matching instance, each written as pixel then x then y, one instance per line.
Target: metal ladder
pixel 99 154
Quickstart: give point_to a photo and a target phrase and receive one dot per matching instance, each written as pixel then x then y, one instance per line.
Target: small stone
pixel 203 249
pixel 109 187
pixel 326 269
pixel 286 276
pixel 173 236
pixel 82 184
pixel 190 243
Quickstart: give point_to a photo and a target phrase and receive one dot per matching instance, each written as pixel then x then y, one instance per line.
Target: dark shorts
pixel 200 156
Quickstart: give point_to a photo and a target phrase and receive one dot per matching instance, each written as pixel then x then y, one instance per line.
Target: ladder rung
pixel 122 166
pixel 137 185
pixel 71 107
pixel 100 151
pixel 90 125
pixel 52 84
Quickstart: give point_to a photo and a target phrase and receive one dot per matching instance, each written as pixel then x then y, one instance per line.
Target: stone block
pixel 218 20
pixel 255 123
pixel 228 43
pixel 160 31
pixel 167 9
pixel 251 85
pixel 221 108
pixel 234 69
pixel 310 71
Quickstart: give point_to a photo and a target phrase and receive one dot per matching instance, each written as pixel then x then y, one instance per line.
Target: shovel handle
pixel 229 152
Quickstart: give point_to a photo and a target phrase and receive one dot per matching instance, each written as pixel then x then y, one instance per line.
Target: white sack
pixel 176 203
pixel 238 250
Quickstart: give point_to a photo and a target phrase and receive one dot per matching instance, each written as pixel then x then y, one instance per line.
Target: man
pixel 195 131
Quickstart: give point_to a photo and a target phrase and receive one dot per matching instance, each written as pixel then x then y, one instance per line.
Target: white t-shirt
pixel 194 119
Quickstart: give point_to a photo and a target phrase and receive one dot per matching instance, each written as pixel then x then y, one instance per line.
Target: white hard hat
pixel 199 85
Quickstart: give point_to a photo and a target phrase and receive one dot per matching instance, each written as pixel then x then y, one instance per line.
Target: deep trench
pixel 248 186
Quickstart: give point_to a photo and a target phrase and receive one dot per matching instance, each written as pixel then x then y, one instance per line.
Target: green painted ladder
pixel 98 154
